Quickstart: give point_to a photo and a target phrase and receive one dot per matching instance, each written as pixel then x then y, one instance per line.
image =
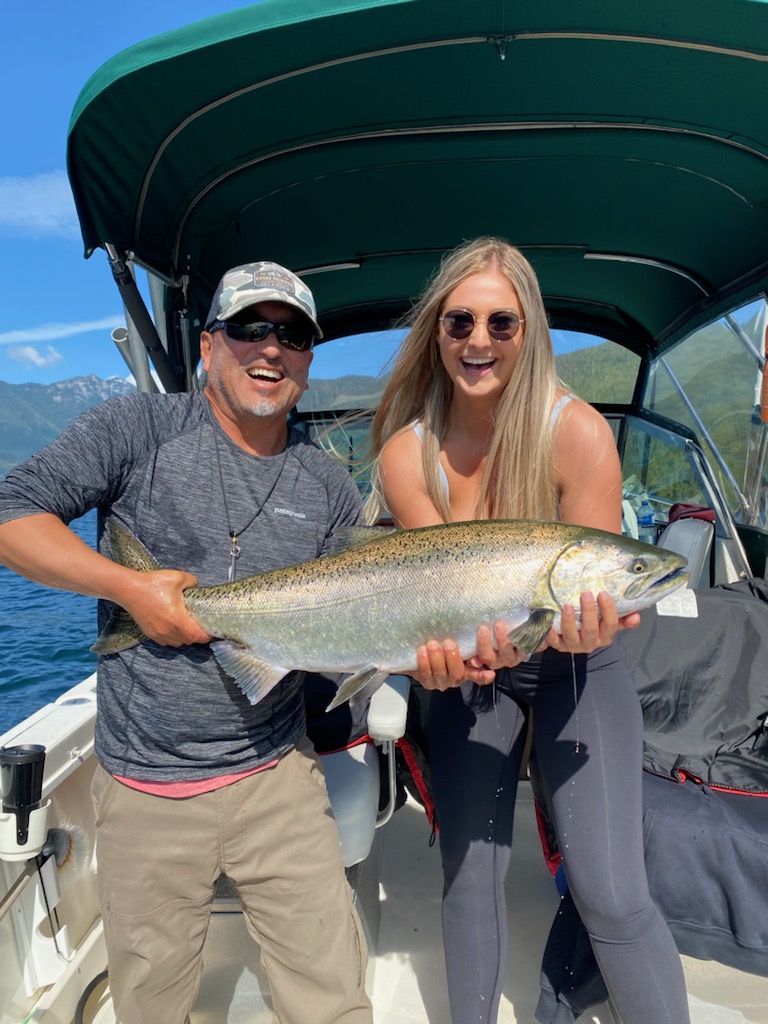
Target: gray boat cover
pixel 703 685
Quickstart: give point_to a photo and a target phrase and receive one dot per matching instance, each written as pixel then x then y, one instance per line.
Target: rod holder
pixel 23 819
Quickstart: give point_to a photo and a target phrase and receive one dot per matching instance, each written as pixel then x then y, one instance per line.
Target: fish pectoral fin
pixel 255 677
pixel 359 687
pixel 120 633
pixel 530 634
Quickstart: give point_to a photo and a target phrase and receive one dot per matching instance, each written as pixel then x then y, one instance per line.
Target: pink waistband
pixel 188 787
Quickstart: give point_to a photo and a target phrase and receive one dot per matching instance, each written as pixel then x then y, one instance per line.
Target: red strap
pixel 681 510
pixel 418 777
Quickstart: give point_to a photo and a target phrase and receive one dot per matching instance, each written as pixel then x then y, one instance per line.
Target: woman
pixel 474 424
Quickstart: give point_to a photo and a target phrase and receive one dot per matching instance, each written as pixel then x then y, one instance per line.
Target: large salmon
pixel 366 609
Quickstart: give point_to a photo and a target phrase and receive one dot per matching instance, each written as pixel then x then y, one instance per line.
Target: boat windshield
pixel 350 372
pixel 711 382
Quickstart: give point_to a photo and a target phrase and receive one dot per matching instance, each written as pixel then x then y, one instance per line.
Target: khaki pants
pixel 274 835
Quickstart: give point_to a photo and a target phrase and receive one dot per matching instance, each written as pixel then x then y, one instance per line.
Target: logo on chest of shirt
pixel 288 512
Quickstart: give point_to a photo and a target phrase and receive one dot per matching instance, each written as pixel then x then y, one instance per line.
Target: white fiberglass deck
pixel 407 977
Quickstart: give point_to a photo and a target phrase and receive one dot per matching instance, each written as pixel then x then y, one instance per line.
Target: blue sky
pixel 59 308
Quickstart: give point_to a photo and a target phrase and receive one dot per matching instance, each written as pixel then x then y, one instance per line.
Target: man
pixel 194 781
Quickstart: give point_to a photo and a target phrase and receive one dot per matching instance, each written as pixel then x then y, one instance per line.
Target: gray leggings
pixel 589 752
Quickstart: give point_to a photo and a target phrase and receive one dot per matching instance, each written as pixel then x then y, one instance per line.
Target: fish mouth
pixel 669 581
pixel 681 573
pixel 675 578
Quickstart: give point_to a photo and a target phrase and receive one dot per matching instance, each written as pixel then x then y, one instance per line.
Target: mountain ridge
pixel 32 415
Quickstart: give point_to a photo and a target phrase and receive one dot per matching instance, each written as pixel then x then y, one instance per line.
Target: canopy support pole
pixel 139 314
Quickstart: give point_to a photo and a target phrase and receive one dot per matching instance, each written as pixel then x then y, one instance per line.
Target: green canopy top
pixel 623 146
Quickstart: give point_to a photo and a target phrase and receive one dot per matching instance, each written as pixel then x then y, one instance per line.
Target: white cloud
pixel 57 332
pixel 38 206
pixel 27 355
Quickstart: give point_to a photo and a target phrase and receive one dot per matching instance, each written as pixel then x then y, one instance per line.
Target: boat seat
pixel 353 780
pixel 353 775
pixel 693 539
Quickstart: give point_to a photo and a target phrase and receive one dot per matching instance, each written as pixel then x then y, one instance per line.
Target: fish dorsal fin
pixel 359 687
pixel 530 634
pixel 255 677
pixel 347 537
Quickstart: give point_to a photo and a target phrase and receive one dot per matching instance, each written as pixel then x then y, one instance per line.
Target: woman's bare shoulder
pixel 404 443
pixel 403 482
pixel 579 416
pixel 583 440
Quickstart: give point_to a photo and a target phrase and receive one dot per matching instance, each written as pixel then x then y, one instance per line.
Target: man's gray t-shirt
pixel 157 463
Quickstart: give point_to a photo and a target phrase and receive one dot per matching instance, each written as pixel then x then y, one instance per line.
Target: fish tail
pixel 128 550
pixel 122 631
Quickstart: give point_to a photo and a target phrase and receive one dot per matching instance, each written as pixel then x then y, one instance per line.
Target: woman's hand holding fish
pixel 157 605
pixel 441 667
pixel 495 650
pixel 596 630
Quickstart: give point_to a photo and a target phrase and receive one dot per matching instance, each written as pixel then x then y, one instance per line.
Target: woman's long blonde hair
pixel 519 475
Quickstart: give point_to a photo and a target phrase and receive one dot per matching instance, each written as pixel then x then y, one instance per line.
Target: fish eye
pixel 638 566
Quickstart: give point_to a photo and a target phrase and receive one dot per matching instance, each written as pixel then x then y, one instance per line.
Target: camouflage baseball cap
pixel 252 283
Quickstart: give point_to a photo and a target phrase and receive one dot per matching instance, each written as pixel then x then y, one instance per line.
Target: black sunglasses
pixel 294 335
pixel 502 325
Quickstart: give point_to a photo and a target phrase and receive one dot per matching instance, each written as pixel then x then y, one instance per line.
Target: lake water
pixel 45 637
